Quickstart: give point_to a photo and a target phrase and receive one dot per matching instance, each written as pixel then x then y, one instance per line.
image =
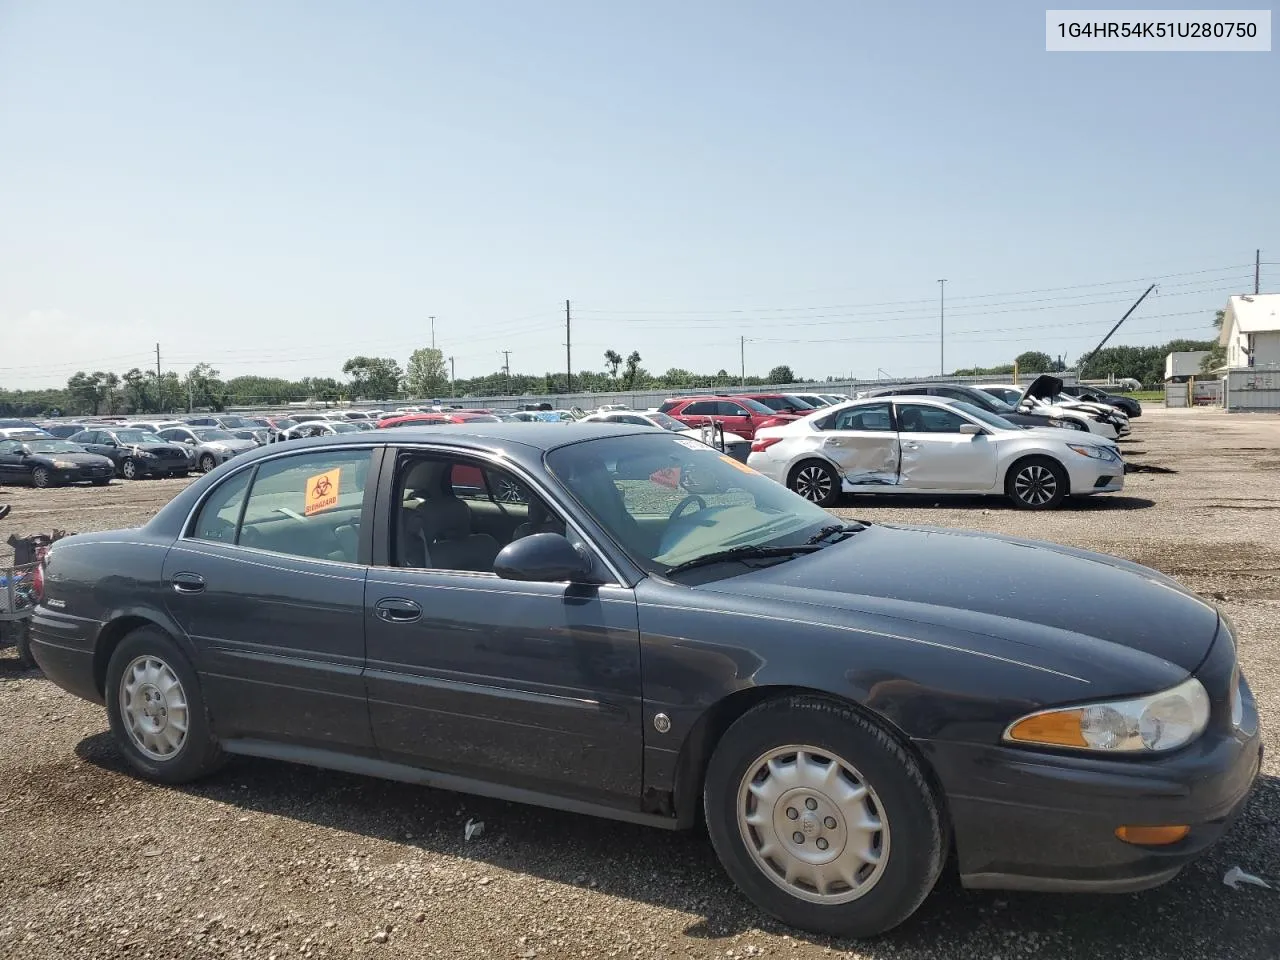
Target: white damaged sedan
pixel 928 445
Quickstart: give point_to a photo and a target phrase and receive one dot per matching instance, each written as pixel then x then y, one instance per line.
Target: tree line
pixel 426 375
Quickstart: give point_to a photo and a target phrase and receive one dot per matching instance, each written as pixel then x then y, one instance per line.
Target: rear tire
pixel 157 711
pixel 802 796
pixel 1036 483
pixel 816 481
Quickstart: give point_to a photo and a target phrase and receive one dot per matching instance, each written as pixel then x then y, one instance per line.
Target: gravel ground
pixel 269 861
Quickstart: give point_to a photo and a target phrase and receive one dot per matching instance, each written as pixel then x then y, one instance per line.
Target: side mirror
pixel 110 443
pixel 542 558
pixel 970 429
pixel 25 451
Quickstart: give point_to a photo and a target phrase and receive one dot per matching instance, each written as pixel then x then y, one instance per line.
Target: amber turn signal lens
pixel 1153 836
pixel 1061 727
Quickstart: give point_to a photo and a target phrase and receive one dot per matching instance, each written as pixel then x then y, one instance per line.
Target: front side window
pixel 307 505
pixel 700 408
pixel 917 418
pixel 667 500
pixel 776 404
pixel 727 408
pixel 125 437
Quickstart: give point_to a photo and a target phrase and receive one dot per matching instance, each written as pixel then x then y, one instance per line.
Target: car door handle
pixel 396 610
pixel 835 442
pixel 188 583
pixel 910 445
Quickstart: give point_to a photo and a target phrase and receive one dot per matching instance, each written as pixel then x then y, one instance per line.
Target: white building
pixel 1251 331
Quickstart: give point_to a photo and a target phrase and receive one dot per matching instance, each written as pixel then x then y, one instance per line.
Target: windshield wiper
pixel 845 528
pixel 743 553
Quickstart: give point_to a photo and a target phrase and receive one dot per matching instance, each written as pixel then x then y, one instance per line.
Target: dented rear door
pixel 863 444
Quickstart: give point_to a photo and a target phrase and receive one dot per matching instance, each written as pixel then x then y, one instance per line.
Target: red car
pixel 739 414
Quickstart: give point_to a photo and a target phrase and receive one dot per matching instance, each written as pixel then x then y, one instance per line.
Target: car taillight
pixel 764 443
pixel 37 581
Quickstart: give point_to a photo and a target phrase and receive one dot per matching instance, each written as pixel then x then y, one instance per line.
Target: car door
pixel 96 441
pixel 736 418
pixel 697 413
pixel 863 444
pixel 533 685
pixel 268 584
pixel 179 435
pixel 11 466
pixel 936 455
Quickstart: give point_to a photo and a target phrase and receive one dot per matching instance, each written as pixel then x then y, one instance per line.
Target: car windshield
pixel 1006 395
pixel 665 422
pixel 668 500
pixel 53 446
pixel 986 416
pixel 344 427
pixel 136 436
pixel 212 433
pixel 236 422
pixel 755 406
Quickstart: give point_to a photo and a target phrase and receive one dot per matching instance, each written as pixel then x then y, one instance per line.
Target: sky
pixel 275 187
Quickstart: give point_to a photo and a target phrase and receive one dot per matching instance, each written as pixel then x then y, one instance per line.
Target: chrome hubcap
pixel 813 825
pixel 813 483
pixel 129 469
pixel 153 706
pixel 207 463
pixel 1035 485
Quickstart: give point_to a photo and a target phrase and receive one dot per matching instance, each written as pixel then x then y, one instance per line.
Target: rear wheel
pixel 816 481
pixel 157 711
pixel 822 818
pixel 40 478
pixel 1036 483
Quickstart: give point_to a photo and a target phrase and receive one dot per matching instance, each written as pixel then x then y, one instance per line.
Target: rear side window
pixel 220 515
pixel 872 417
pixel 669 406
pixel 727 408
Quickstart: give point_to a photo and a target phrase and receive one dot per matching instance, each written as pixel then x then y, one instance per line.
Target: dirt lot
pixel 272 861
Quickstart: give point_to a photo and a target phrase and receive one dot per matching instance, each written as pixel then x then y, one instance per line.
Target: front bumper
pixel 163 468
pixel 1031 821
pixel 1088 475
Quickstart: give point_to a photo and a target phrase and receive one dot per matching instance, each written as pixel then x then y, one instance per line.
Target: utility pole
pixel 1257 272
pixel 159 382
pixel 433 333
pixel 1084 362
pixel 453 379
pixel 742 355
pixel 568 356
pixel 506 371
pixel 942 327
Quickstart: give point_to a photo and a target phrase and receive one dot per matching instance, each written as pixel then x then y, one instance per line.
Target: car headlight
pixel 1066 424
pixel 1153 724
pixel 65 465
pixel 1090 450
pixel 144 454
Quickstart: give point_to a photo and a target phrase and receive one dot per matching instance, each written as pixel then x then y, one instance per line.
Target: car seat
pixel 910 421
pixel 437 534
pixel 540 521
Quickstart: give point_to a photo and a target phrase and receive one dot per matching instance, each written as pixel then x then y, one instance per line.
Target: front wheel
pixel 1036 483
pixel 40 478
pixel 129 469
pixel 822 818
pixel 816 481
pixel 157 711
pixel 207 463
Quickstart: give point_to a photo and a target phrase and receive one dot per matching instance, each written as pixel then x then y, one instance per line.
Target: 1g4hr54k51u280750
pixel 626 622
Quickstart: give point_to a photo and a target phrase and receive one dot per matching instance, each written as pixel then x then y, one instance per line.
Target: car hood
pixel 1069 609
pixel 1042 387
pixel 84 459
pixel 158 448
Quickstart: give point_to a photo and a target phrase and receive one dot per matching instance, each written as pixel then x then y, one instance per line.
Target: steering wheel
pixel 684 504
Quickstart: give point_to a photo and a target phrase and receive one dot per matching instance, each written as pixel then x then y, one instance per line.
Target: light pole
pixel 942 327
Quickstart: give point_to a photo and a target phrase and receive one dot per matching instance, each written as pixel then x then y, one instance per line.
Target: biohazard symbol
pixel 322 492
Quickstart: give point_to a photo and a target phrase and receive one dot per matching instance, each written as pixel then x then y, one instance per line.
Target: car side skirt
pixel 386 770
pixel 1013 881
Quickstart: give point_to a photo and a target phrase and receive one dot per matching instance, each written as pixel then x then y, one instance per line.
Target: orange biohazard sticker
pixel 668 477
pixel 322 492
pixel 739 465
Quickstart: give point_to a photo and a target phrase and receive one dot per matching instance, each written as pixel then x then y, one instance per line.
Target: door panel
pixel 280 641
pixel 935 456
pixel 533 684
pixel 862 443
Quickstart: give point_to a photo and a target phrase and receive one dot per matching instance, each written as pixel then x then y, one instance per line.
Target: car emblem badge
pixel 661 722
pixel 809 825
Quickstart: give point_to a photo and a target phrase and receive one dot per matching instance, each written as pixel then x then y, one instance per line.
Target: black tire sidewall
pixel 35 481
pixel 916 831
pixel 200 754
pixel 1059 473
pixel 125 465
pixel 832 497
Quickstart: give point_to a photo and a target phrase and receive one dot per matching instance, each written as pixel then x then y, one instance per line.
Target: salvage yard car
pixel 136 453
pixel 926 445
pixel 51 463
pixel 652 631
pixel 209 446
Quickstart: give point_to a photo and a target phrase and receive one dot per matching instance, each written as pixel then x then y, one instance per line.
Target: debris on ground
pixel 1235 877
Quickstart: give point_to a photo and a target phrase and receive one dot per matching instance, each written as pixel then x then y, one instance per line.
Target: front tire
pixel 822 818
pixel 129 469
pixel 816 481
pixel 207 463
pixel 157 711
pixel 40 478
pixel 1036 483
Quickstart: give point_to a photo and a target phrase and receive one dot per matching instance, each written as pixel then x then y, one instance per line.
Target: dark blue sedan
pixel 620 622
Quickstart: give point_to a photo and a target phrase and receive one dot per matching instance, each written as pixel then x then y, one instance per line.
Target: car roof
pixel 485 436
